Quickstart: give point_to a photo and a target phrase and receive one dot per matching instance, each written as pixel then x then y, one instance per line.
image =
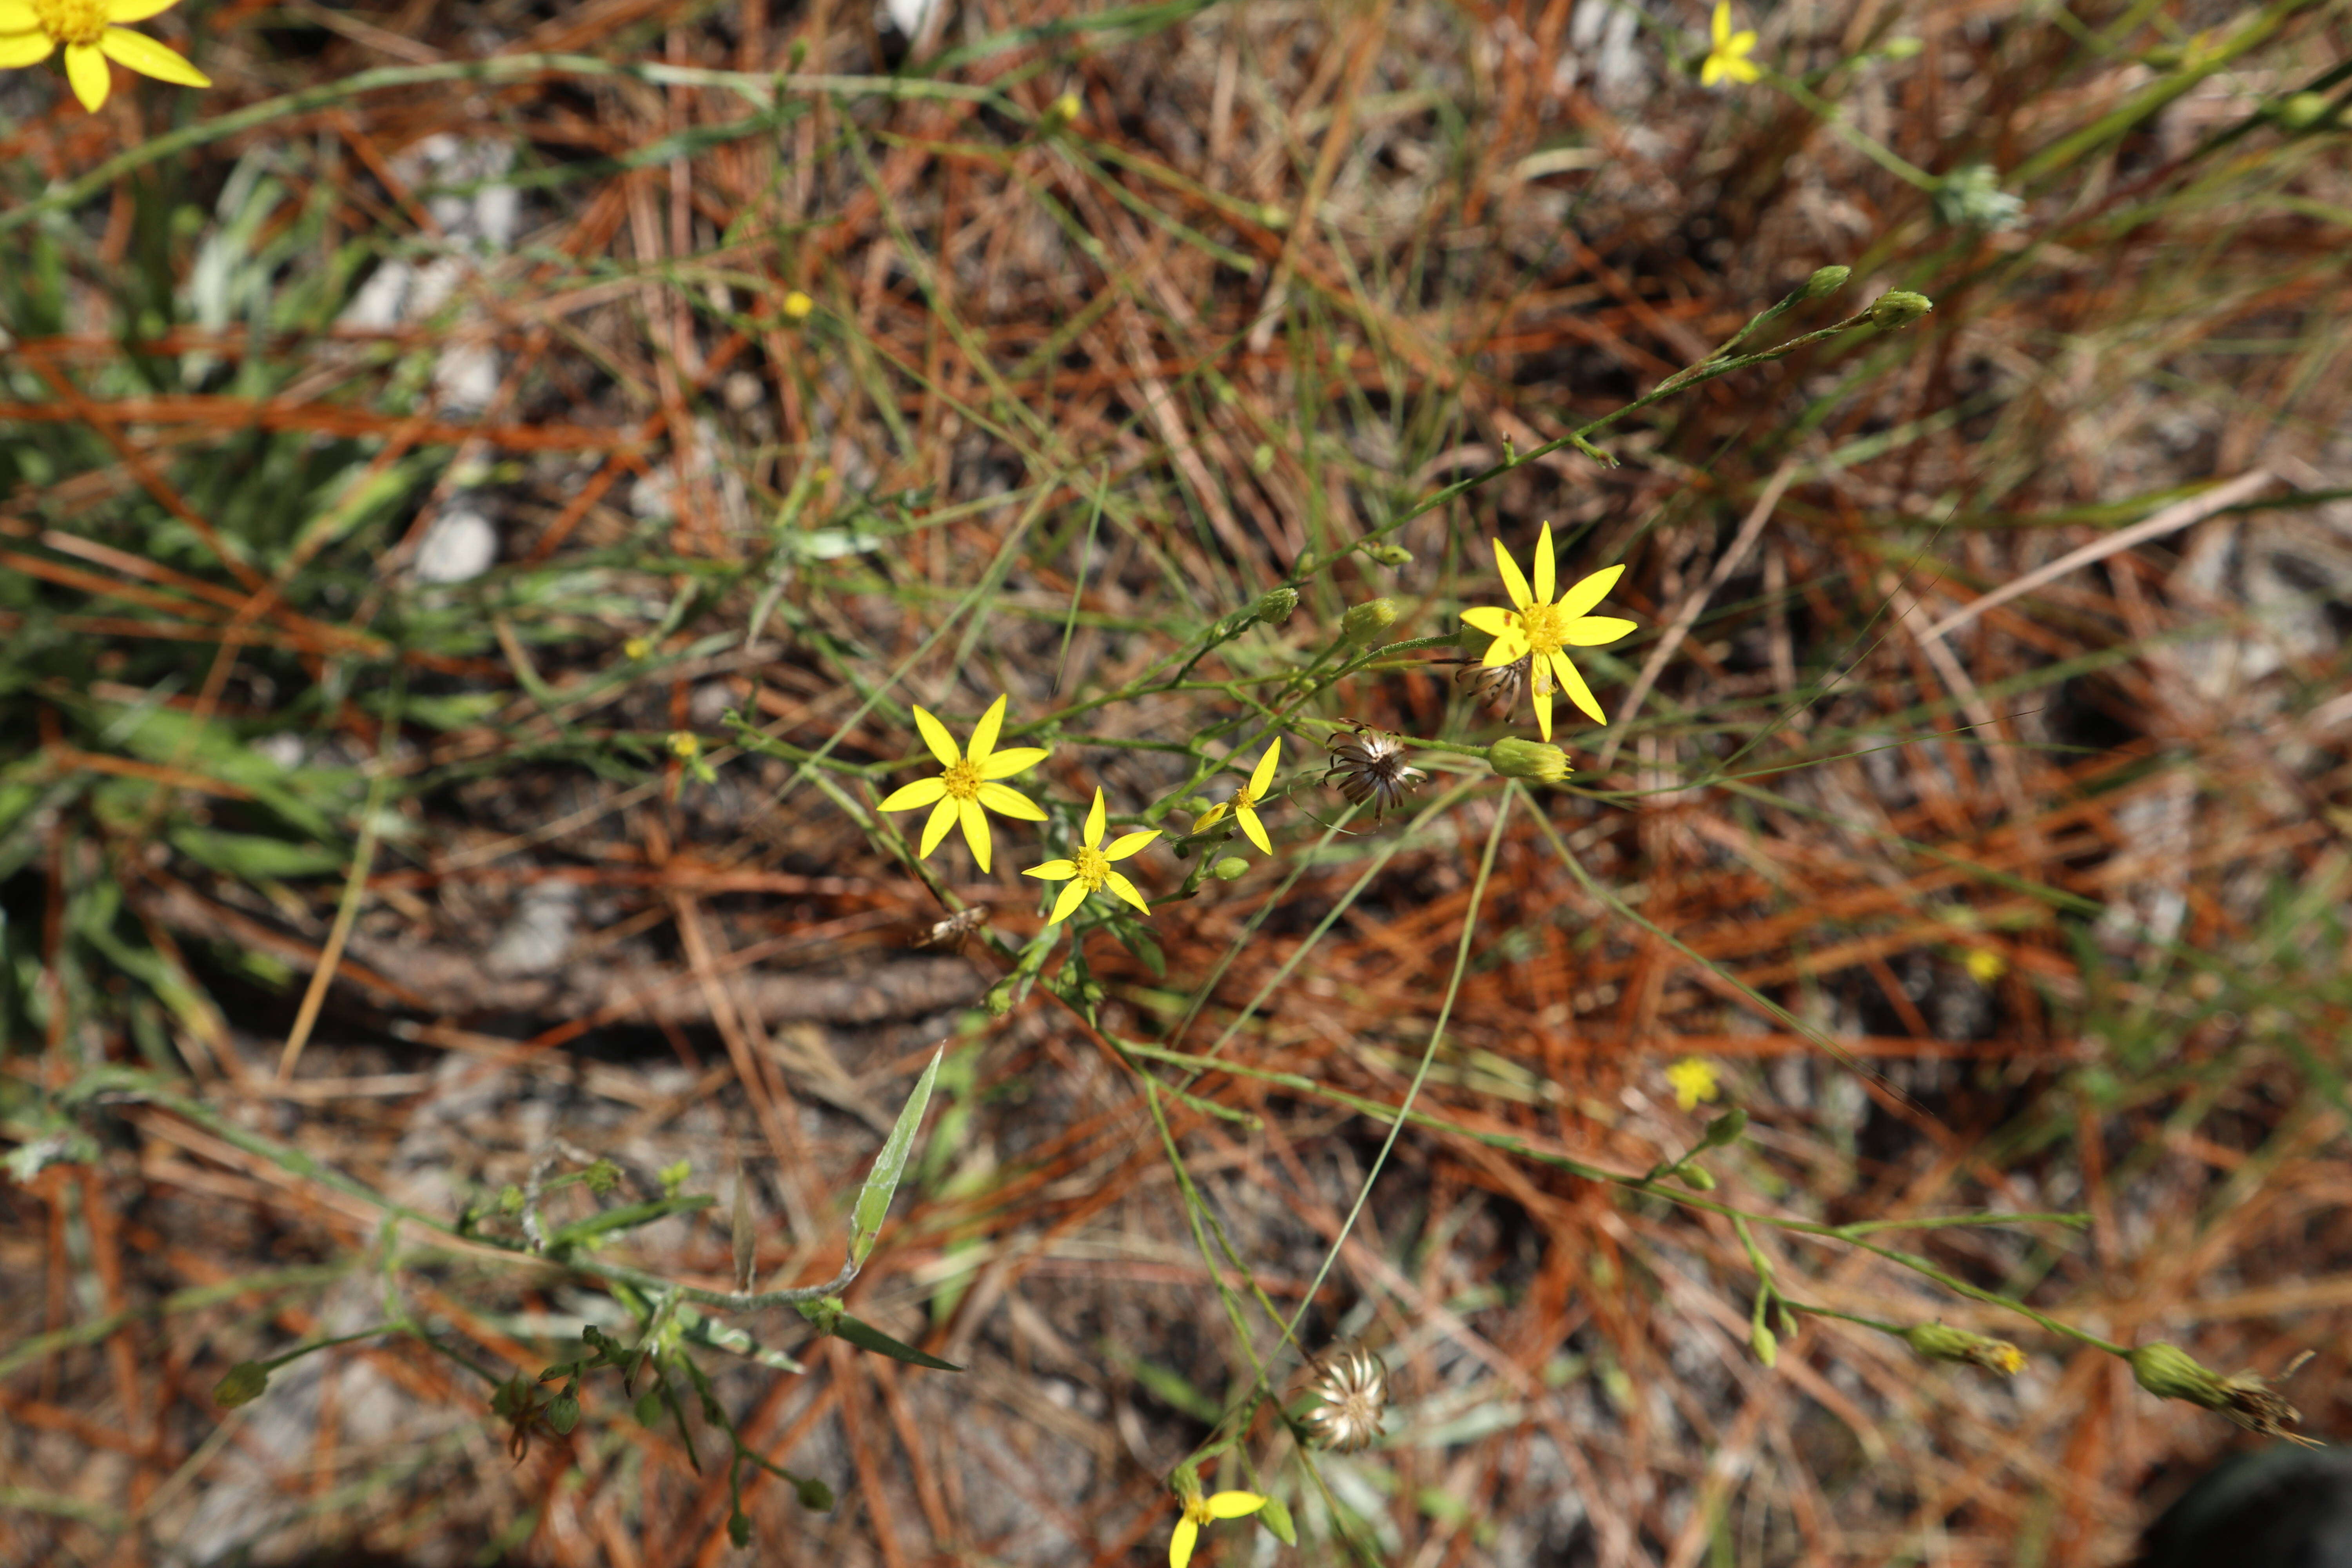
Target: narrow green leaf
pixel 874 1198
pixel 866 1337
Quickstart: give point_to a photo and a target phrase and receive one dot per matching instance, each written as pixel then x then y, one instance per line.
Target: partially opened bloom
pixel 1089 871
pixel 1729 55
pixel 970 782
pixel 1200 1510
pixel 31 30
pixel 1244 804
pixel 1537 630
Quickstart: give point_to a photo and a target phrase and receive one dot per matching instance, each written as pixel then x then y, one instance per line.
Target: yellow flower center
pixel 1241 798
pixel 1093 865
pixel 963 780
pixel 1543 625
pixel 71 21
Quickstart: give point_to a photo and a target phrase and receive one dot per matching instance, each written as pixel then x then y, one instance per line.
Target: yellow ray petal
pixel 1255 829
pixel 148 58
pixel 1125 890
pixel 936 828
pixel 1211 817
pixel 1589 592
pixel 86 72
pixel 922 792
pixel 975 831
pixel 1263 775
pixel 1721 28
pixel 1508 648
pixel 1542 700
pixel 1180 1545
pixel 1010 803
pixel 1012 759
pixel 1543 582
pixel 25 49
pixel 1132 844
pixel 935 736
pixel 1072 897
pixel 19 17
pixel 1572 682
pixel 1745 70
pixel 1054 872
pixel 1095 819
pixel 1492 619
pixel 120 11
pixel 1235 1505
pixel 1597 631
pixel 1514 582
pixel 1710 71
pixel 983 734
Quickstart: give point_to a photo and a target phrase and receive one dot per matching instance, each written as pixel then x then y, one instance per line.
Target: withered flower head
pixel 1369 767
pixel 1352 1394
pixel 953 931
pixel 1499 686
pixel 2170 1373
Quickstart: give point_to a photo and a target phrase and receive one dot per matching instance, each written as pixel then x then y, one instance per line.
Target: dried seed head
pixel 1369 768
pixel 1352 1394
pixel 2170 1373
pixel 953 931
pixel 1499 686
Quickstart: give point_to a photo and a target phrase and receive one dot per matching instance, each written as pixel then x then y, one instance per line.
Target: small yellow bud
pixel 1063 110
pixel 1390 554
pixel 1364 622
pixel 243 1386
pixel 685 745
pixel 1514 758
pixel 1938 1342
pixel 1898 308
pixel 639 648
pixel 797 307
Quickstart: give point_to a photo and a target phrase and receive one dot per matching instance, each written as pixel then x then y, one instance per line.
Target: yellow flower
pixel 1537 626
pixel 970 782
pixel 1200 1510
pixel 31 30
pixel 1090 871
pixel 1729 55
pixel 1694 1080
pixel 797 307
pixel 1984 965
pixel 1244 805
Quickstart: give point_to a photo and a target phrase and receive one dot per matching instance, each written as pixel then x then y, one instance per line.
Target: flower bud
pixel 1063 110
pixel 1725 1129
pixel 563 1414
pixel 739 1529
pixel 685 745
pixel 1390 554
pixel 815 1495
pixel 243 1384
pixel 1898 308
pixel 1232 868
pixel 1517 759
pixel 1900 47
pixel 1697 1178
pixel 1827 281
pixel 797 307
pixel 2302 111
pixel 637 648
pixel 1367 621
pixel 1938 1342
pixel 1275 605
pixel 1766 1345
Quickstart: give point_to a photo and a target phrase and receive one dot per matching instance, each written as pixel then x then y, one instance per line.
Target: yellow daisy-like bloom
pixel 89 31
pixel 1694 1080
pixel 970 782
pixel 1089 870
pixel 1729 55
pixel 1537 626
pixel 1200 1510
pixel 1244 805
pixel 1984 965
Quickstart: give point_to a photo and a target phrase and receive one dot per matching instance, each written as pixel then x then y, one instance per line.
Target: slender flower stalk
pixel 1538 629
pixel 90 33
pixel 1244 804
pixel 970 782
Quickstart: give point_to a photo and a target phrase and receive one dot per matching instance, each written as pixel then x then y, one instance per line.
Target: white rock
pixel 459 547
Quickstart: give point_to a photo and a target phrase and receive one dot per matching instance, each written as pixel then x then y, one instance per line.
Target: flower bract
pixel 1729 55
pixel 90 33
pixel 1088 870
pixel 1537 628
pixel 971 782
pixel 1247 799
pixel 1200 1510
